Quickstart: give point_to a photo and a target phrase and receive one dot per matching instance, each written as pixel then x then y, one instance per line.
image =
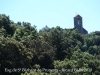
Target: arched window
pixel 78 22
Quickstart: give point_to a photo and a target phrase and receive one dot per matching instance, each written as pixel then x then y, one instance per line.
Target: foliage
pixel 54 50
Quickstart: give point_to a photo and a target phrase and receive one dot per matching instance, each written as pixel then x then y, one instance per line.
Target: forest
pixel 50 51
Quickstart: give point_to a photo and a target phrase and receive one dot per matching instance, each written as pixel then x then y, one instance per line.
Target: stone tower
pixel 78 24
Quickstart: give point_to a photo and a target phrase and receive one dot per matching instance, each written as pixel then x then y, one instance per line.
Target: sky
pixel 53 12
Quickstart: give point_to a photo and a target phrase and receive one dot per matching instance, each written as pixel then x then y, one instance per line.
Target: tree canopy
pixel 51 51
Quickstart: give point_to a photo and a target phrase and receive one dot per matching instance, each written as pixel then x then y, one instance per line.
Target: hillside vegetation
pixel 51 51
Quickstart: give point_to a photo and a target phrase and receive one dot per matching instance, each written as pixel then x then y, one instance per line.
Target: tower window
pixel 78 22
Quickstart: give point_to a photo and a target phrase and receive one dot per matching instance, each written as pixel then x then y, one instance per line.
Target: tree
pixel 13 55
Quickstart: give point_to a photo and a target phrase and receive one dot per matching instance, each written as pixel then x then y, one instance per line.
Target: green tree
pixel 13 55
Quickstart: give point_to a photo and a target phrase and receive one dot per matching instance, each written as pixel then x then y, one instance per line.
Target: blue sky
pixel 53 12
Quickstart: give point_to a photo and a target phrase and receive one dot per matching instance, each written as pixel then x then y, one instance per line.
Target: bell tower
pixel 78 23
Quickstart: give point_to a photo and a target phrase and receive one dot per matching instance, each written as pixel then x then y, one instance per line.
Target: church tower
pixel 78 24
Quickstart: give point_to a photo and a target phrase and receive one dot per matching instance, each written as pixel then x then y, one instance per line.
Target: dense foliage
pixel 51 51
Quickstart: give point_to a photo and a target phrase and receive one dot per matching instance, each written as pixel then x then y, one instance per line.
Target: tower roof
pixel 77 15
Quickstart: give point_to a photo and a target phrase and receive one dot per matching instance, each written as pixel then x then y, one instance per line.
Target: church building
pixel 78 24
